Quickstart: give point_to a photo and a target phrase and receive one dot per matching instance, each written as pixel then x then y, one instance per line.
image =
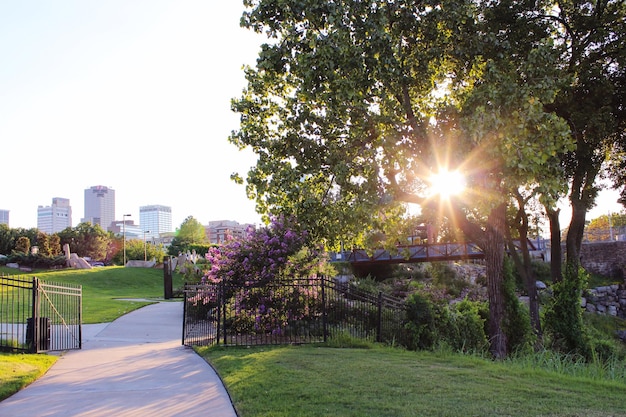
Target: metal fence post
pixel 184 309
pixel 168 292
pixel 379 326
pixel 34 348
pixel 324 311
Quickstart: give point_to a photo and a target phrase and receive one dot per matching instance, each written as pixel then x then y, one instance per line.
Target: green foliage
pixel 599 229
pixel 86 240
pixel 22 245
pixel 516 317
pixel 190 234
pixel 460 326
pixel 470 318
pixel 563 316
pixel 9 237
pixel 137 249
pixel 35 261
pixel 444 276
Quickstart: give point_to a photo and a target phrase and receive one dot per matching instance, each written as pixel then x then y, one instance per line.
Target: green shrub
pixel 517 319
pixel 563 318
pixel 420 325
pixel 470 320
pixel 460 327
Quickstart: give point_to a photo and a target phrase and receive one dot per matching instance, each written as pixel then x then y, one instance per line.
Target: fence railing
pixel 38 316
pixel 299 310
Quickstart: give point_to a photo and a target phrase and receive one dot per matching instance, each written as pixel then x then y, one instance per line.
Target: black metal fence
pixel 38 316
pixel 300 310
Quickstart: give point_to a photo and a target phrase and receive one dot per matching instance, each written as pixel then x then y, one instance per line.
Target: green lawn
pixel 109 292
pixel 319 381
pixel 18 370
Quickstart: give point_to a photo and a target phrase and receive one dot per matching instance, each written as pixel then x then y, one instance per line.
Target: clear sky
pixel 134 95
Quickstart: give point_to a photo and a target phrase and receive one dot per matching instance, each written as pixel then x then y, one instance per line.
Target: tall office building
pixel 4 217
pixel 100 206
pixel 155 220
pixel 54 218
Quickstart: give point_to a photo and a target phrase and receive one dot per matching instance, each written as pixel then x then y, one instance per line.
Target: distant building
pixel 218 230
pixel 127 228
pixel 155 220
pixel 100 206
pixel 54 218
pixel 4 217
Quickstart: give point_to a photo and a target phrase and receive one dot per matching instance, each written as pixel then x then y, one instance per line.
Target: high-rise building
pixel 100 206
pixel 155 220
pixel 4 217
pixel 54 218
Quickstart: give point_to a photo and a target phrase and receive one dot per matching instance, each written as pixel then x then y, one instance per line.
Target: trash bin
pixel 44 334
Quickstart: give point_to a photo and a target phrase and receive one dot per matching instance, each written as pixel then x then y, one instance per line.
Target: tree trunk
pixel 556 254
pixel 494 258
pixel 574 238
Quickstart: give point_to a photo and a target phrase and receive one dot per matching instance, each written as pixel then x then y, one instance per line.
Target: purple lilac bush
pixel 253 271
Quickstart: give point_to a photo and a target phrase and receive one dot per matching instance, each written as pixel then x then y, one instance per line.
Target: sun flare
pixel 447 183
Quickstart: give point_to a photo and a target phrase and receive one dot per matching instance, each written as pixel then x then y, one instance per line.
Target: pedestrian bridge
pixel 418 253
pixel 412 254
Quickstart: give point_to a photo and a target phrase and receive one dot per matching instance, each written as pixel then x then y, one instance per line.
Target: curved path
pixel 134 366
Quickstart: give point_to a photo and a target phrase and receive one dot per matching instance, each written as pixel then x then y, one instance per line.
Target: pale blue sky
pixel 130 94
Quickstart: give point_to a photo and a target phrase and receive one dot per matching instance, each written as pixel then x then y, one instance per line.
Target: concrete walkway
pixel 134 366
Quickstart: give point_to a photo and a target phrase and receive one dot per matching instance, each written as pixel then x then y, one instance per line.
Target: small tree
pixel 22 245
pixel 43 243
pixel 191 232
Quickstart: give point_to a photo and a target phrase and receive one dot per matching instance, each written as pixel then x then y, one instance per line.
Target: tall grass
pixel 611 369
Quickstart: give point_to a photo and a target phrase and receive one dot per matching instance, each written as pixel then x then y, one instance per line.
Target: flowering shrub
pixel 250 271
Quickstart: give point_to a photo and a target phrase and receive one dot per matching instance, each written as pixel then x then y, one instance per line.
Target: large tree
pixel 593 58
pixel 86 240
pixel 354 105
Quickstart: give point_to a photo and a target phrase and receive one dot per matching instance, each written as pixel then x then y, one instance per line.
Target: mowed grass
pixel 319 381
pixel 109 292
pixel 18 370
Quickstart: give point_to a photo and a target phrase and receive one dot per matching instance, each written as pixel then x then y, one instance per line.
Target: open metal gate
pixel 37 316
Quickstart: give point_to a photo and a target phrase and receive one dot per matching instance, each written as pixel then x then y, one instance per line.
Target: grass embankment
pixel 317 381
pixel 18 370
pixel 109 292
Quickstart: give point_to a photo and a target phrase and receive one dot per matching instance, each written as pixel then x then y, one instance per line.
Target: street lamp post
pixel 124 234
pixel 145 252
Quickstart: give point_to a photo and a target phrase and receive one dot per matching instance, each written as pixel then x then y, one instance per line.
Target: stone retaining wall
pixel 610 299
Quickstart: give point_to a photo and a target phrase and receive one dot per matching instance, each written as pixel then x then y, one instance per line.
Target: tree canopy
pixel 353 106
pixel 191 232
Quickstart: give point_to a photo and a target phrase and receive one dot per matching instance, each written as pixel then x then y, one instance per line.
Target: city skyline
pixel 153 218
pixel 131 95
